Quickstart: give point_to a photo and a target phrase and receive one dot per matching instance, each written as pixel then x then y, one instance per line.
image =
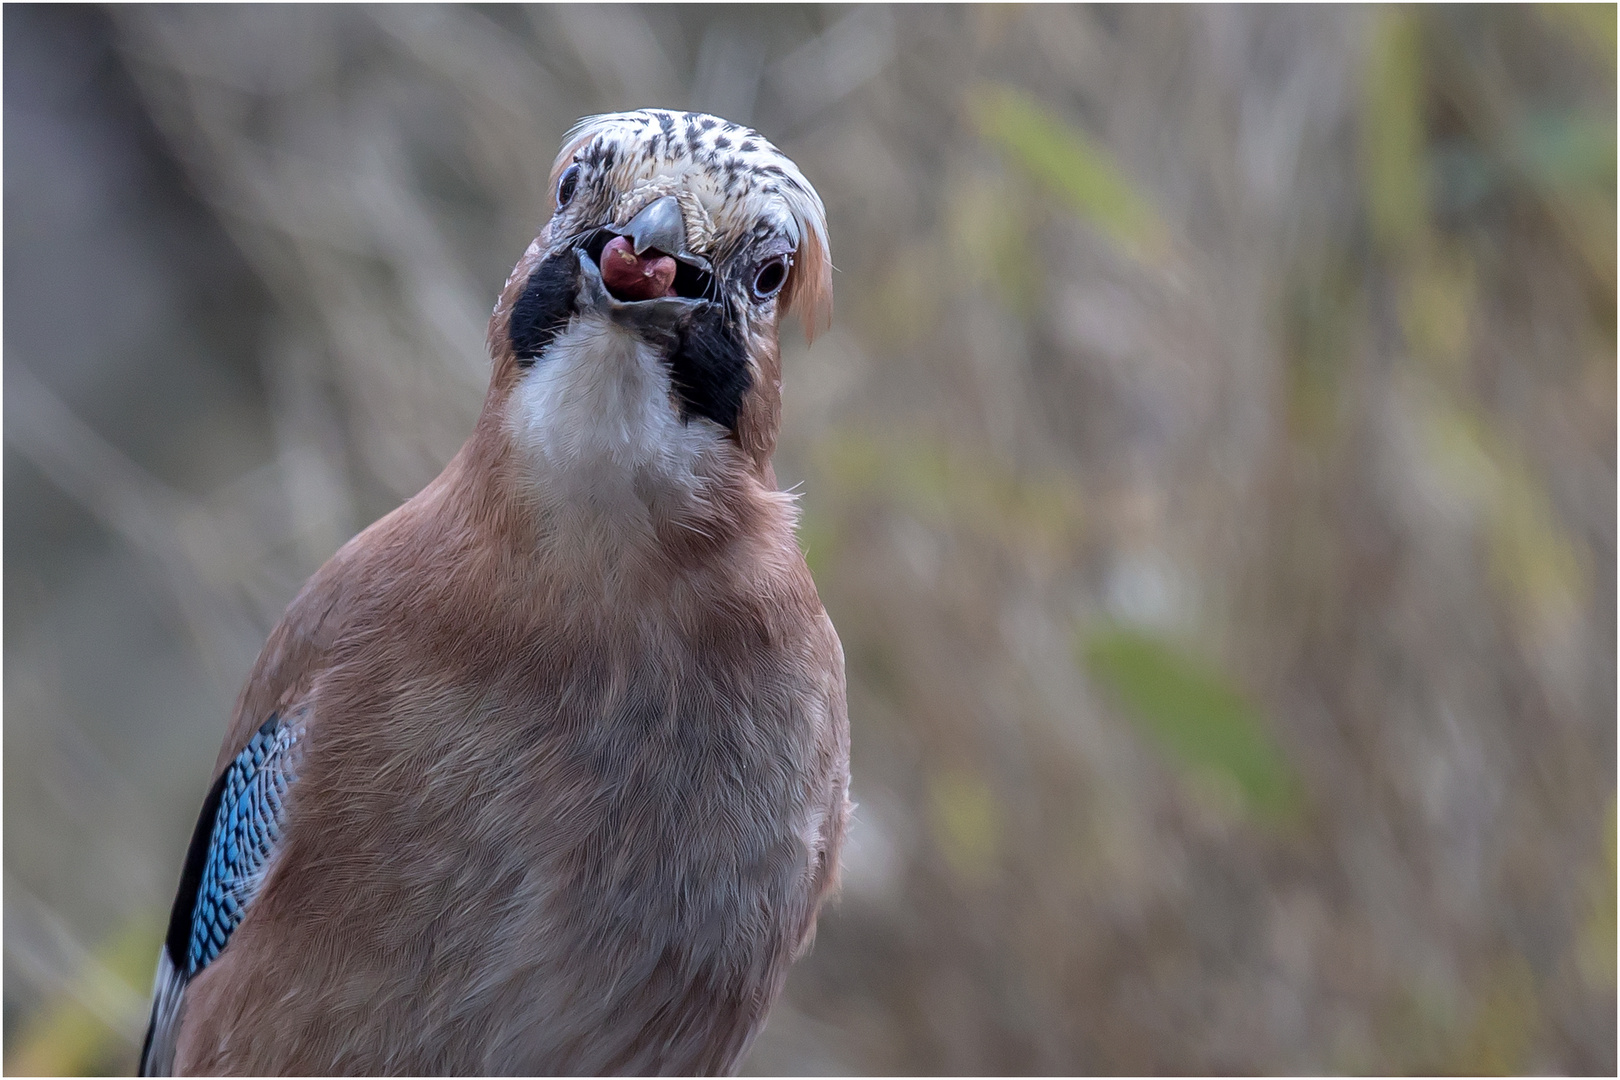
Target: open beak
pixel 660 226
pixel 653 242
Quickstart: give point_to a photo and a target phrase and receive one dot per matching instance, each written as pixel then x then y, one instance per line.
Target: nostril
pixel 629 276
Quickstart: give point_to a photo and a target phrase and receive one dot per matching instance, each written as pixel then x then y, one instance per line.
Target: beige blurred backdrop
pixel 1211 473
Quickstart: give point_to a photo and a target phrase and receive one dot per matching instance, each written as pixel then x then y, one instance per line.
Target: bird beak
pixel 660 226
pixel 656 318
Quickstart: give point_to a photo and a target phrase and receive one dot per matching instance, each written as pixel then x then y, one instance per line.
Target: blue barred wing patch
pixel 246 827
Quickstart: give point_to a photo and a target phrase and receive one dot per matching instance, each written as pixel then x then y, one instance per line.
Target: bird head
pixel 676 244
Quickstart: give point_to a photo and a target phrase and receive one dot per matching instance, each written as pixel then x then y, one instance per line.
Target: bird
pixel 547 770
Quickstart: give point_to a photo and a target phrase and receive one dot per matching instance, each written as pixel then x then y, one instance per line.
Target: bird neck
pixel 586 455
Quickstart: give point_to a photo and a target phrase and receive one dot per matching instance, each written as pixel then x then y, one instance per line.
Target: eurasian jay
pixel 547 770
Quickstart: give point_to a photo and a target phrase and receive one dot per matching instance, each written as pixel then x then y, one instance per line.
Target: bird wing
pixel 231 850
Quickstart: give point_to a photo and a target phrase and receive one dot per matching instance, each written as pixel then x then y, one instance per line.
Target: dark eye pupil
pixel 769 278
pixel 565 190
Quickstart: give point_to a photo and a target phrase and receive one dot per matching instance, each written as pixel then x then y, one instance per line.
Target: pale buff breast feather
pixel 547 771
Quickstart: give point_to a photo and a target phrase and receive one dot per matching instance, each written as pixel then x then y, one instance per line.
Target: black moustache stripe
pixel 709 368
pixel 545 307
pixel 708 362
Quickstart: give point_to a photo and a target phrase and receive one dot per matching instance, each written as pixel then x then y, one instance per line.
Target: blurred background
pixel 1211 473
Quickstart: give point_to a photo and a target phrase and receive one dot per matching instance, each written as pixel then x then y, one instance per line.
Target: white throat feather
pixel 602 437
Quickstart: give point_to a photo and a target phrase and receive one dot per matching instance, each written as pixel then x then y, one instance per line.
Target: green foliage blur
pixel 1196 716
pixel 1068 163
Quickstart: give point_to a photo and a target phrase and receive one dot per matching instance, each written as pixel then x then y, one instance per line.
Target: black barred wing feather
pixel 230 852
pixel 246 828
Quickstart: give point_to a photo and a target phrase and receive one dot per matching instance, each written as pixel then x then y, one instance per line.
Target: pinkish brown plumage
pixel 571 762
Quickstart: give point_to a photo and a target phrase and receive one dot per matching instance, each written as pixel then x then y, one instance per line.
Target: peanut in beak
pixel 629 276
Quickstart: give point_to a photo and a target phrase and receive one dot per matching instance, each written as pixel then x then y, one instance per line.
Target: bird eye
pixel 769 277
pixel 567 186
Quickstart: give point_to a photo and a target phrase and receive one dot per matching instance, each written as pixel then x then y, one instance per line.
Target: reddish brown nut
pixel 629 276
